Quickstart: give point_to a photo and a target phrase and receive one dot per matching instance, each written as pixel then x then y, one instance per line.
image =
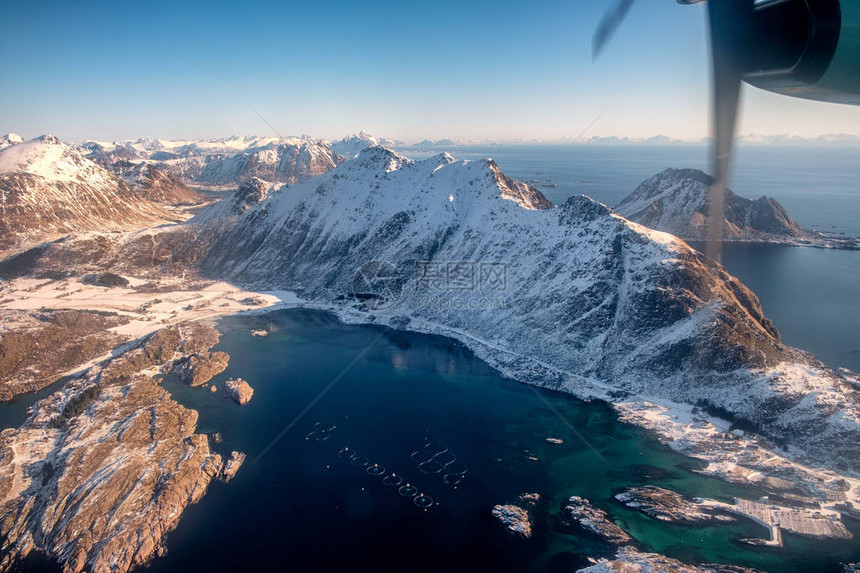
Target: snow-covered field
pixel 149 311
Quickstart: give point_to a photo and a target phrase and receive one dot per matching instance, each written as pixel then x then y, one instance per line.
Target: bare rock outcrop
pixel 667 505
pixel 595 520
pixel 198 366
pixel 104 467
pixel 239 390
pixel 515 518
pixel 630 559
pixel 232 465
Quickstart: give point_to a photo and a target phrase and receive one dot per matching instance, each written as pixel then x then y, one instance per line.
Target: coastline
pixel 731 456
pixel 679 426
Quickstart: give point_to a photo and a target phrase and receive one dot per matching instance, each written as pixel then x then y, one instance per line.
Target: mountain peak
pixel 50 139
pixel 10 139
pixel 351 145
pixel 378 156
pixel 677 201
pixel 49 189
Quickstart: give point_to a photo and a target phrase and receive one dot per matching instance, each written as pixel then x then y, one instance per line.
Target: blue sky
pixel 407 69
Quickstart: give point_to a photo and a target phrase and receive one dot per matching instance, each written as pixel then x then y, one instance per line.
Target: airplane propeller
pixel 730 23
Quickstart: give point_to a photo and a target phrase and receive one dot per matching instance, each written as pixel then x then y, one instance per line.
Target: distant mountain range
pixel 163 172
pixel 352 145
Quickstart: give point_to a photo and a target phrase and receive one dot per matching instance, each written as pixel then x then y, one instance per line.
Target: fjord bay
pixel 296 502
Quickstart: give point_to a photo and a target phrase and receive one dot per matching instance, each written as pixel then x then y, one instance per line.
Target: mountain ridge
pixel 590 293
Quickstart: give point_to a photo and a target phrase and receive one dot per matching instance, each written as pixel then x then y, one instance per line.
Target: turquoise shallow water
pixel 300 505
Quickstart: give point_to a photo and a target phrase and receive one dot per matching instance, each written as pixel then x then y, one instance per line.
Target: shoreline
pixel 675 424
pixel 731 457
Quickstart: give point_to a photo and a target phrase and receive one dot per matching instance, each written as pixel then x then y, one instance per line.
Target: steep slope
pixel 153 184
pixel 572 297
pixel 48 188
pixel 676 201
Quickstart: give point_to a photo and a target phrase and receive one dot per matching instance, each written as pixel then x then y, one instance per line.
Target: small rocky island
pixel 515 518
pixel 669 506
pixel 232 465
pixel 595 520
pixel 239 390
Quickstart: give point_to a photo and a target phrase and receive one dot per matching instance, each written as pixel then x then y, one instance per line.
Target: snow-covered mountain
pixel 224 161
pixel 49 188
pixel 10 139
pixel 352 145
pixel 676 201
pixel 282 162
pixel 152 183
pixel 164 149
pixel 573 297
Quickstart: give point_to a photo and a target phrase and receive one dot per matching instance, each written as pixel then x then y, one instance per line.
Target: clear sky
pixel 404 69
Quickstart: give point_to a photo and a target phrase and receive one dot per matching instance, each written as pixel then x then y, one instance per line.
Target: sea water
pixel 295 504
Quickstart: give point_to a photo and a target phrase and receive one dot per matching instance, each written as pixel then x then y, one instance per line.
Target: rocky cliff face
pixel 676 201
pixel 251 192
pixel 572 297
pixel 48 188
pixel 104 467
